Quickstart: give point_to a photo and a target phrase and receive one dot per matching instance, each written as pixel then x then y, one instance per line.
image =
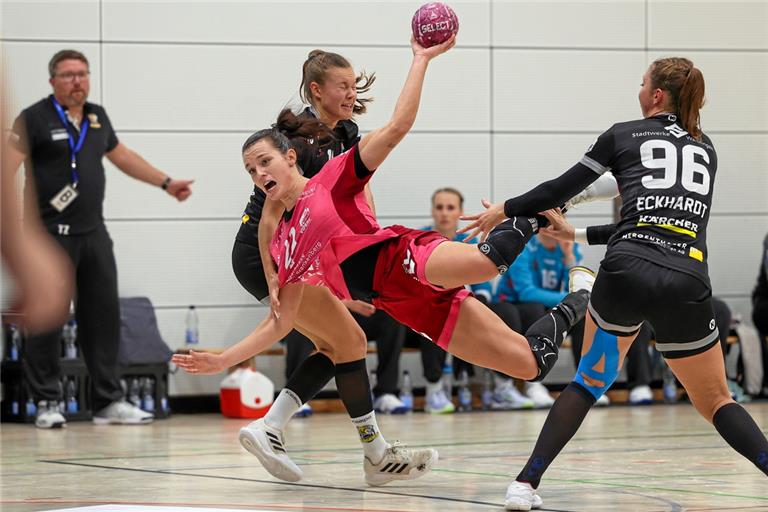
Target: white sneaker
pixel 122 413
pixel 390 404
pixel 537 392
pixel 507 397
pixel 603 189
pixel 268 445
pixel 521 496
pixel 580 278
pixel 399 463
pixel 304 411
pixel 640 395
pixel 437 403
pixel 603 401
pixel 48 416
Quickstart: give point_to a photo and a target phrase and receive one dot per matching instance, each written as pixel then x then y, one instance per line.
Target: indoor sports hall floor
pixel 657 458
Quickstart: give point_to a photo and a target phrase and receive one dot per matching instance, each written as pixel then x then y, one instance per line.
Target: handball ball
pixel 434 23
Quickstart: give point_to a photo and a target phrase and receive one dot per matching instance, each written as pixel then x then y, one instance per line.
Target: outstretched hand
pixel 558 227
pixel 432 51
pixel 180 189
pixel 484 222
pixel 201 363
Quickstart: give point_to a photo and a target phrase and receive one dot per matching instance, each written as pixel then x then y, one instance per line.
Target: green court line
pixel 598 481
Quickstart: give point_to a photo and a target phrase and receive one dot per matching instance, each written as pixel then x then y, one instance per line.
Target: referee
pixel 61 140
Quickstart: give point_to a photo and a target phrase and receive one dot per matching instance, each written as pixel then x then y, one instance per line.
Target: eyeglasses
pixel 70 76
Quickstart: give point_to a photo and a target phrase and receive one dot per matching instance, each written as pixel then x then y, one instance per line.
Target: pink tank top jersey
pixel 330 221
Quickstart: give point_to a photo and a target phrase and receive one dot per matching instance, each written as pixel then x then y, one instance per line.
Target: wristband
pixel 166 182
pixel 580 235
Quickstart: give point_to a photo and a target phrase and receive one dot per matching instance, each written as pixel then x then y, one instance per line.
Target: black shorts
pixel 630 290
pixel 249 271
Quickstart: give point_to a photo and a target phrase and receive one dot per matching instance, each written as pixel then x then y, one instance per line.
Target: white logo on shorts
pixel 409 265
pixel 712 325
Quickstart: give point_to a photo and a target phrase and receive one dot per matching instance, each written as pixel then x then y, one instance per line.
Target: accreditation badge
pixel 64 198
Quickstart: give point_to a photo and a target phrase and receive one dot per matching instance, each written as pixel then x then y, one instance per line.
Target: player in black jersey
pixel 656 263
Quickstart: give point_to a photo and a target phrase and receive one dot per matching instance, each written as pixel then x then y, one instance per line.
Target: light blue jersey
pixel 537 275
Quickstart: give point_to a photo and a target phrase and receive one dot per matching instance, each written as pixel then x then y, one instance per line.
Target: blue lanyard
pixel 74 147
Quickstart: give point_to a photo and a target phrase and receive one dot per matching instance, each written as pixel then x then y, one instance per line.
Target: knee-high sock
pixel 355 391
pixel 562 422
pixel 308 379
pixel 740 431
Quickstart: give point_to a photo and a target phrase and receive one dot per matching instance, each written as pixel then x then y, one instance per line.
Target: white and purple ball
pixel 434 23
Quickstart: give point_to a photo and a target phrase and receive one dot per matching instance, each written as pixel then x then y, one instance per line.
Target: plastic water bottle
pixel 465 394
pixel 70 336
pixel 670 385
pixel 147 396
pixel 134 395
pixel 406 390
pixel 15 344
pixel 191 337
pixel 161 392
pixel 72 404
pixel 487 396
pixel 31 408
pixel 447 377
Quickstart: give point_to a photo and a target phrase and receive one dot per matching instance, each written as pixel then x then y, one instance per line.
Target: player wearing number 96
pixel 655 268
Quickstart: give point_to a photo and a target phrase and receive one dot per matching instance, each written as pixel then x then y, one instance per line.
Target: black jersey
pixel 39 133
pixel 345 136
pixel 761 289
pixel 666 179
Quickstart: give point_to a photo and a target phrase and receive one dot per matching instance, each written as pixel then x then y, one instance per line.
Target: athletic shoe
pixel 399 463
pixel 390 404
pixel 268 445
pixel 539 393
pixel 640 395
pixel 580 278
pixel 304 411
pixel 506 397
pixel 437 403
pixel 603 189
pixel 521 496
pixel 122 413
pixel 603 401
pixel 48 416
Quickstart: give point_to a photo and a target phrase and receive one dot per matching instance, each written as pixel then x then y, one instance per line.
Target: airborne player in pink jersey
pixel 328 237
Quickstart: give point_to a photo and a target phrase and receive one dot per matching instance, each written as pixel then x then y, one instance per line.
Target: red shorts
pixel 404 292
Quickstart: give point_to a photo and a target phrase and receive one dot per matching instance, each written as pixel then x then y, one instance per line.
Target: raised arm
pixel 269 331
pixel 376 146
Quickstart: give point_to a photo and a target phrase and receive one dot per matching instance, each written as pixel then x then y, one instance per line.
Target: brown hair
pixel 290 131
pixel 685 84
pixel 317 65
pixel 449 190
pixel 64 55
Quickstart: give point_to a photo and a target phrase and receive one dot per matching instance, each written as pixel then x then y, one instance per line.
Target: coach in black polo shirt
pixel 62 140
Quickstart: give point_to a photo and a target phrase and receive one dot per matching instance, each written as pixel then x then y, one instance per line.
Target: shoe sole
pixel 108 421
pixel 52 425
pixel 578 268
pixel 378 479
pixel 255 442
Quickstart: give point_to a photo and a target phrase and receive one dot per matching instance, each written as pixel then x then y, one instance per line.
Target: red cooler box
pixel 246 393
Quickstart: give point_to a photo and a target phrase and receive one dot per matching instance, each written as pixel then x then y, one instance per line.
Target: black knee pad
pixel 507 241
pixel 545 350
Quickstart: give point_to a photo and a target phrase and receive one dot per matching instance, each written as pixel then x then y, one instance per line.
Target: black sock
pixel 562 422
pixel 311 376
pixel 740 431
pixel 354 388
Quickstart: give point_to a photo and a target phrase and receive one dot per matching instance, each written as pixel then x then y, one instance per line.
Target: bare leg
pixel 454 264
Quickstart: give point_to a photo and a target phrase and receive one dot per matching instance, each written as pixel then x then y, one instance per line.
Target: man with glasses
pixel 62 140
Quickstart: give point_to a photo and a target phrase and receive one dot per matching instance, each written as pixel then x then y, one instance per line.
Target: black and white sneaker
pixel 48 415
pixel 268 445
pixel 399 463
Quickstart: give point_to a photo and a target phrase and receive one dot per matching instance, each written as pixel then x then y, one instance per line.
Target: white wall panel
pixel 281 22
pixel 523 161
pixel 734 245
pixel 572 24
pixel 708 24
pixel 557 90
pixel 177 263
pixel 425 162
pixel 243 88
pixel 221 187
pixel 27 76
pixel 736 87
pixel 50 19
pixel 741 184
